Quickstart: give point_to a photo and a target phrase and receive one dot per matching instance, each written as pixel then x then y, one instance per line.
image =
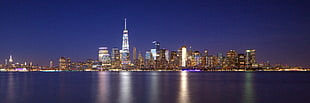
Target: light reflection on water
pixel 183 90
pixel 248 96
pixel 125 88
pixel 103 88
pixel 154 88
pixel 11 88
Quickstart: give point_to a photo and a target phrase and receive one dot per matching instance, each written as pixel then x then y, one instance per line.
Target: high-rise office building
pixel 220 60
pixel 68 62
pixel 148 55
pixel 241 61
pixel 10 61
pixel 210 59
pixel 102 51
pixel 154 53
pixel 174 61
pixel 134 53
pixel 161 61
pixel 167 54
pixel 125 54
pixel 140 61
pixel 250 58
pixel 116 62
pixel 149 60
pixel 184 56
pixel 62 63
pixel 105 57
pixel 231 59
pixel 197 58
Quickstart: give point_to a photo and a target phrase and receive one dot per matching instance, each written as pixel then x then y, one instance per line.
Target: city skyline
pixel 40 37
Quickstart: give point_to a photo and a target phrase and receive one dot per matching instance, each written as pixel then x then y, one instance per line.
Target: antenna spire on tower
pixel 125 23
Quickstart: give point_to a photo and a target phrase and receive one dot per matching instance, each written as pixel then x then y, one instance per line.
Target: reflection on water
pixel 154 88
pixel 103 88
pixel 11 89
pixel 248 96
pixel 125 88
pixel 183 91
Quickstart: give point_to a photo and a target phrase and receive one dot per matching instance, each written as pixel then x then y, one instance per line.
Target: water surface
pixel 155 87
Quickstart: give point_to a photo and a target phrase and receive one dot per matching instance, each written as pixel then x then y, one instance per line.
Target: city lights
pixel 155 59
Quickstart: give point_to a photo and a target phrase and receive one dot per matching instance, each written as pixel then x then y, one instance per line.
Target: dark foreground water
pixel 155 87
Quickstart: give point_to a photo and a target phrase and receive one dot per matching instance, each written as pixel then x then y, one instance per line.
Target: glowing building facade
pixel 184 56
pixel 250 58
pixel 104 56
pixel 125 54
pixel 116 62
pixel 62 63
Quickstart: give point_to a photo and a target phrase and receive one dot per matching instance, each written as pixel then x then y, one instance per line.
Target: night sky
pixel 44 30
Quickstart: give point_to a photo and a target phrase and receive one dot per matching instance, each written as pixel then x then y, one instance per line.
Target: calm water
pixel 155 87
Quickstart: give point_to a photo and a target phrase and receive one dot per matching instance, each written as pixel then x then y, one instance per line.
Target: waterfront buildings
pixel 155 59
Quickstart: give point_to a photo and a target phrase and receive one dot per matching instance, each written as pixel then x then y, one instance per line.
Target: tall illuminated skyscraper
pixel 116 62
pixel 62 63
pixel 184 56
pixel 125 54
pixel 11 59
pixel 104 56
pixel 250 58
pixel 231 59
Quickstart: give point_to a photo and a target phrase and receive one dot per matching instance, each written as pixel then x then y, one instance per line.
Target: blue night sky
pixel 44 30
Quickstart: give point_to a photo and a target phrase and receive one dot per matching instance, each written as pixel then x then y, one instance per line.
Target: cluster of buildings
pixel 10 65
pixel 162 59
pixel 185 58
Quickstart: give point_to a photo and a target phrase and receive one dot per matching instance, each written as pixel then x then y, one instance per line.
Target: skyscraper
pixel 154 53
pixel 197 58
pixel 125 54
pixel 116 62
pixel 135 60
pixel 10 61
pixel 184 56
pixel 174 62
pixel 104 56
pixel 149 60
pixel 62 63
pixel 231 59
pixel 134 53
pixel 250 58
pixel 161 61
pixel 241 61
pixel 140 61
